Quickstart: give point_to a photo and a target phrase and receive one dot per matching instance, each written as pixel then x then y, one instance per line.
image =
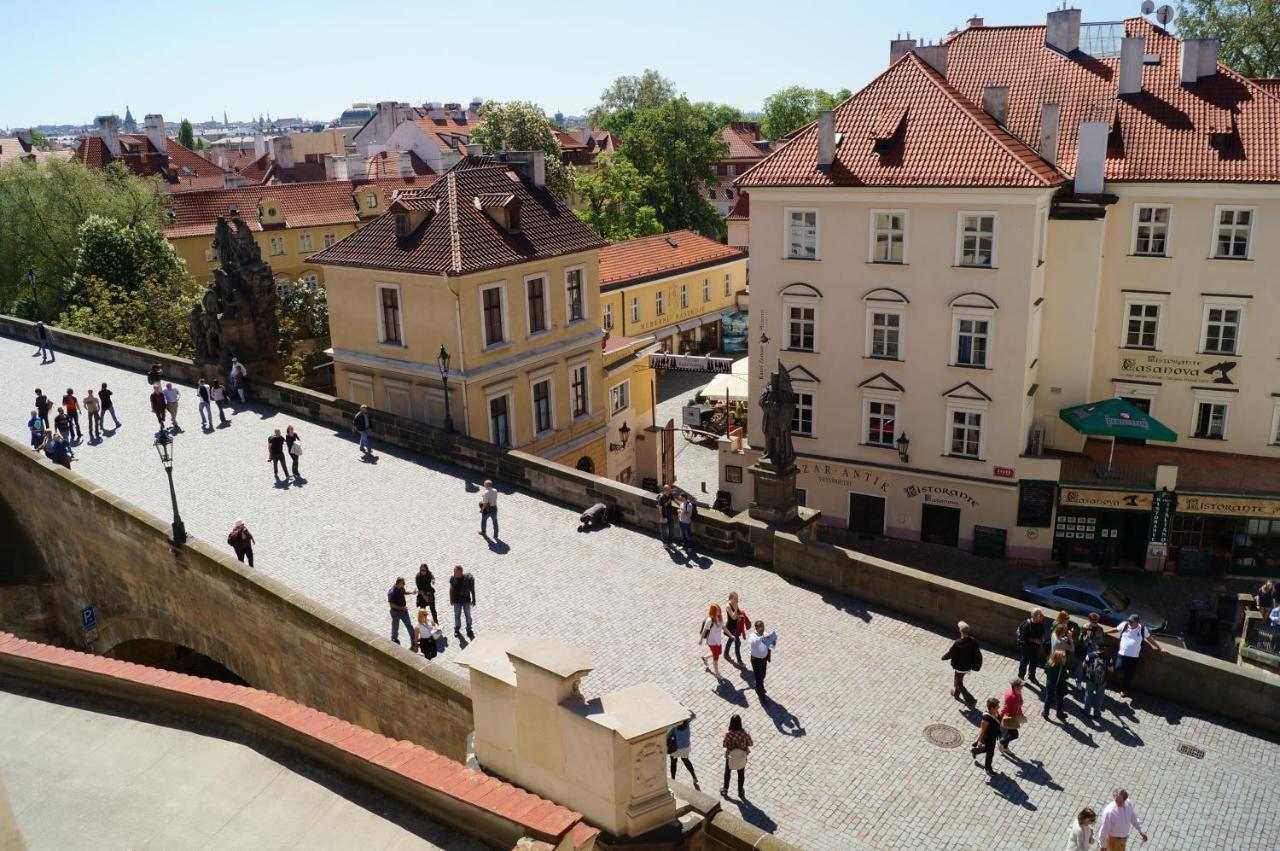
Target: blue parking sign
pixel 88 618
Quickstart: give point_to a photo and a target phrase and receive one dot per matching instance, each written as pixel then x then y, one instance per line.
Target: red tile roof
pixel 387 164
pixel 303 205
pixel 180 168
pixel 457 238
pixel 449 133
pixel 741 208
pixel 1270 85
pixel 666 254
pixel 740 137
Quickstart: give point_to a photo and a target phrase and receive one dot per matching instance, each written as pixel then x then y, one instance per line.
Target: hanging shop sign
pixel 1116 500
pixel 1162 503
pixel 691 363
pixel 1153 366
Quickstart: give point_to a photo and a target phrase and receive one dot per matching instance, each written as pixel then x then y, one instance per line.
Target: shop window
pixel 1151 230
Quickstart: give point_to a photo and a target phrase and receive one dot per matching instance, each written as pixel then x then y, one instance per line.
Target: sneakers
pixel 471 635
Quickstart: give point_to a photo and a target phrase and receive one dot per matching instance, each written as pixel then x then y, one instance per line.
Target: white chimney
pixel 935 55
pixel 1062 30
pixel 404 159
pixel 335 167
pixel 259 145
pixel 1049 132
pixel 1131 59
pixel 900 47
pixel 826 138
pixel 109 130
pixel 1207 60
pixel 284 151
pixel 356 169
pixel 995 102
pixel 1091 157
pixel 153 126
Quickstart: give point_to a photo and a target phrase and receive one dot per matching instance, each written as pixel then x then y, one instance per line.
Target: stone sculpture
pixel 236 316
pixel 778 406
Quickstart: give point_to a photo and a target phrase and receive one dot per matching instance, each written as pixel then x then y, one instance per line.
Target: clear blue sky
pixel 67 62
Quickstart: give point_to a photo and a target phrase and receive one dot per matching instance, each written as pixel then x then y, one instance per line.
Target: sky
pixel 70 61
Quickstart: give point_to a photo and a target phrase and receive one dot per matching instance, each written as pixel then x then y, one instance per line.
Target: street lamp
pixel 164 448
pixel 442 361
pixel 35 302
pixel 904 443
pixel 624 433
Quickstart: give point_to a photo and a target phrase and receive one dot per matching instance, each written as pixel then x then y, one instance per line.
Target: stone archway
pixel 170 645
pixel 174 657
pixel 586 465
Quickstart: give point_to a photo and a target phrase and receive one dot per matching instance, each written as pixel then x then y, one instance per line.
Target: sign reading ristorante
pixel 1228 506
pixel 1153 366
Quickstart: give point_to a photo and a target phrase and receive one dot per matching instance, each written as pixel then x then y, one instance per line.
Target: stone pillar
pixel 773 493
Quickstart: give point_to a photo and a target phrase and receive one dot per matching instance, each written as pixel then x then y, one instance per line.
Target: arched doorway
pixel 174 657
pixel 586 465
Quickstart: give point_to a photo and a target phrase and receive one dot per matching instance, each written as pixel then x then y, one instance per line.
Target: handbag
pixel 1011 722
pixel 296 449
pixel 736 759
pixel 671 742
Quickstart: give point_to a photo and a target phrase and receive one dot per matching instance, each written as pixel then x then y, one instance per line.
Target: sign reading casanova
pixel 1153 366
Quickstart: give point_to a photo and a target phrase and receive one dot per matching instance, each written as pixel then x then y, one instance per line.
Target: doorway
pixel 940 524
pixel 866 514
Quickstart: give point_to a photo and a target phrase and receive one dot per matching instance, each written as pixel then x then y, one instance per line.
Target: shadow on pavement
pixel 786 722
pixel 752 814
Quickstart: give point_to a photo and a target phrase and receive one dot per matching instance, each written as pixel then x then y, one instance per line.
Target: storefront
pixel 1106 528
pixel 1226 534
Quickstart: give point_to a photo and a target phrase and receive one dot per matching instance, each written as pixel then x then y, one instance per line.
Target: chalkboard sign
pixel 1035 503
pixel 989 541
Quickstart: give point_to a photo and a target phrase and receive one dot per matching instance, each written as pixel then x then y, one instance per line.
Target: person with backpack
pixel 679 742
pixel 43 404
pixel 1132 636
pixel 72 406
pixel 1030 638
pixel 205 395
pixel 965 656
pixel 1096 668
pixel 241 540
pixel 737 746
pixel 712 632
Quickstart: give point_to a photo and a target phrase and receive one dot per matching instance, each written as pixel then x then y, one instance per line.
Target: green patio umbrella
pixel 1115 418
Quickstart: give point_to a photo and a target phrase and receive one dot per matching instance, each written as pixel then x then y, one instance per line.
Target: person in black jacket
pixel 965 657
pixel 462 595
pixel 426 582
pixel 360 425
pixel 275 454
pixel 1030 637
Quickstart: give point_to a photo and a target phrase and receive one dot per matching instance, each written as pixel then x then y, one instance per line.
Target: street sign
pixel 88 618
pixel 691 363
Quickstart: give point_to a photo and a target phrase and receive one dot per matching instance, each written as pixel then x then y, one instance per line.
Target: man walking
pixel 1132 636
pixel 93 410
pixel 37 426
pixel 489 509
pixel 275 454
pixel 206 413
pixel 45 342
pixel 462 594
pixel 1118 818
pixel 400 614
pixel 72 406
pixel 1030 637
pixel 761 647
pixel 965 656
pixel 43 404
pixel 171 403
pixel 157 404
pixel 666 515
pixel 360 425
pixel 104 396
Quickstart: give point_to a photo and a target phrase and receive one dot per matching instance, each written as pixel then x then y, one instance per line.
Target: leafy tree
pixel 186 134
pixel 1248 32
pixel 792 108
pixel 303 317
pixel 628 95
pixel 39 140
pixel 521 126
pixel 720 114
pixel 614 199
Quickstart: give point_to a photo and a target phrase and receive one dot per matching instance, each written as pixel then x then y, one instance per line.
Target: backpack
pixel 1097 668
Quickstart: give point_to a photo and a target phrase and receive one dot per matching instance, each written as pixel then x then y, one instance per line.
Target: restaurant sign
pixel 1153 366
pixel 1161 508
pixel 1116 500
pixel 691 363
pixel 1228 506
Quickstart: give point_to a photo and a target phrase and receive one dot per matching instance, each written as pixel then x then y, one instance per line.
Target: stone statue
pixel 778 405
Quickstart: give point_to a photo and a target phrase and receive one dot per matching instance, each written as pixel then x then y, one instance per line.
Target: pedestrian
pixel 1132 636
pixel 489 509
pixel 44 343
pixel 712 632
pixel 205 396
pixel 1060 639
pixel 666 515
pixel 171 395
pixel 1080 835
pixel 1092 635
pixel 1030 637
pixel 275 454
pixel 155 375
pixel 686 521
pixel 59 450
pixel 426 583
pixel 93 410
pixel 1055 683
pixel 241 540
pixel 104 396
pixel 36 425
pixel 236 379
pixel 360 425
pixel 62 425
pixel 965 656
pixel 157 404
pixel 988 733
pixel 1265 597
pixel 1075 653
pixel 219 396
pixel 72 406
pixel 1118 818
pixel 399 610
pixel 462 596
pixel 1096 668
pixel 427 632
pixel 594 517
pixel 43 404
pixel 736 626
pixel 1011 717
pixel 737 745
pixel 760 647
pixel 293 446
pixel 679 743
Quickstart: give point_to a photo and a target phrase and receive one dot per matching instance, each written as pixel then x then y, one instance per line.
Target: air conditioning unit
pixel 1035 446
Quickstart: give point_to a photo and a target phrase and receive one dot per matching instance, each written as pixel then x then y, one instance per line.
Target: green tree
pixel 720 114
pixel 614 199
pixel 186 134
pixel 1248 32
pixel 628 95
pixel 791 108
pixel 303 316
pixel 522 126
pixel 39 140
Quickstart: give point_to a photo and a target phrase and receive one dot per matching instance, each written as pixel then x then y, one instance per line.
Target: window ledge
pixel 391 344
pixel 972 266
pixel 884 359
pixel 879 446
pixel 1208 437
pixel 803 259
pixel 801 351
pixel 1220 354
pixel 969 366
pixel 1150 256
pixel 1235 259
pixel 1139 349
pixel 963 457
pixel 572 322
pixel 805 436
pixel 887 263
pixel 493 347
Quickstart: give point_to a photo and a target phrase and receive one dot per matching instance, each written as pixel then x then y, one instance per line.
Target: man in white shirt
pixel 761 647
pixel 1132 635
pixel 1118 818
pixel 489 509
pixel 171 402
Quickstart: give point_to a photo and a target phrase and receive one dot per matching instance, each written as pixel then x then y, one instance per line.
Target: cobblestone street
pixel 840 760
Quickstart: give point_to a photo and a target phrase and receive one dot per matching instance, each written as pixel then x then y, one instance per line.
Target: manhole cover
pixel 1191 750
pixel 943 735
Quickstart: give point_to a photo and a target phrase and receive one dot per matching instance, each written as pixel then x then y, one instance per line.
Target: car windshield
pixel 1115 601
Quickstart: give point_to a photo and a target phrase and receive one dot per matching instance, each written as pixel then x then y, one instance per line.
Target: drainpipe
pixel 462 356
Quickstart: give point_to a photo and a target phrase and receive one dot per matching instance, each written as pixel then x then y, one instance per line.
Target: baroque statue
pixel 778 406
pixel 236 316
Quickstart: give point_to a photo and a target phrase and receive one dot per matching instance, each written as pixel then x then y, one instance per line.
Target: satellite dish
pixel 1148 6
pixel 1164 15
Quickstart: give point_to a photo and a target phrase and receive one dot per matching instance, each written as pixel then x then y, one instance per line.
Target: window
pixel 620 397
pixel 966 432
pixel 608 317
pixel 1142 325
pixel 575 300
pixel 802 327
pixel 389 315
pixel 972 338
pixel 311 281
pixel 635 308
pixel 802 234
pixel 1044 234
pixel 579 398
pixel 884 334
pixel 277 245
pixel 802 419
pixel 706 290
pixel 728 193
pixel 542 396
pixel 1210 420
pixel 659 303
pixel 684 296
pixel 881 418
pixel 283 287
pixel 1275 424
pixel 536 292
pixel 730 170
pixel 1221 330
pixel 500 420
pixel 728 284
pixel 711 193
pixel 329 239
pixel 977 240
pixel 370 200
pixel 1231 239
pixel 1151 230
pixel 494 314
pixel 888 237
pixel 304 242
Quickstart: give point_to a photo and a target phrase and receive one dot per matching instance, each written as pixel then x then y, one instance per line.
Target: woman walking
pixel 241 540
pixel 293 444
pixel 1080 835
pixel 679 740
pixel 737 745
pixel 219 394
pixel 426 583
pixel 736 624
pixel 1011 717
pixel 712 632
pixel 686 521
pixel 275 454
pixel 1055 683
pixel 988 733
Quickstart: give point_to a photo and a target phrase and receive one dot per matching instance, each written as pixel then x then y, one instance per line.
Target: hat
pixel 239 523
pixel 1134 617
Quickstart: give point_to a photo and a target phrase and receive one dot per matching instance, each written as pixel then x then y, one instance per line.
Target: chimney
pixel 826 138
pixel 335 167
pixel 23 135
pixel 475 149
pixel 1131 59
pixel 284 151
pixel 1062 30
pixel 974 22
pixel 434 112
pixel 531 164
pixel 900 47
pixel 259 145
pixel 109 130
pixel 356 167
pixel 153 126
pixel 230 180
pixel 995 102
pixel 404 159
pixel 1049 132
pixel 1091 157
pixel 935 55
pixel 1207 60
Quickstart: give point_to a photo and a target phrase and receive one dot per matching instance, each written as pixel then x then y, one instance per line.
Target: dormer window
pixel 402 225
pixel 513 217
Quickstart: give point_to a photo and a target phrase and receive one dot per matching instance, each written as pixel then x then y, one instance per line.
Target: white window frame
pixel 585 367
pixel 659 302
pixel 550 380
pixel 606 320
pixel 966 406
pixel 1138 207
pixel 582 285
pixel 1213 236
pixel 684 295
pixel 382 324
pixel 872 310
pixel 511 422
pixel 635 308
pixel 873 248
pixel 304 242
pixel 619 397
pixel 310 280
pixel 728 284
pixel 880 397
pixel 1222 303
pixel 506 325
pixel 706 290
pixel 1275 424
pixel 959 314
pixel 278 248
pixel 813 414
pixel 329 239
pixel 1211 397
pixel 787 305
pixel 786 233
pixel 546 305
pixel 995 239
pixel 371 200
pixel 1042 244
pixel 1144 300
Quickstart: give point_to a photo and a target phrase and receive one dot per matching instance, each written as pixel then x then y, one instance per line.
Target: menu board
pixel 1035 503
pixel 989 541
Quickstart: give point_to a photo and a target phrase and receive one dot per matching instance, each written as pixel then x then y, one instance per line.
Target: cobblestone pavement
pixel 840 759
pixel 697 464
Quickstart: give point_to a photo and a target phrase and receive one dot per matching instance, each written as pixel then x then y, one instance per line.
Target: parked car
pixel 1082 595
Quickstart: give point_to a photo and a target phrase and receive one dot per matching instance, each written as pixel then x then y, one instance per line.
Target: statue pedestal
pixel 773 493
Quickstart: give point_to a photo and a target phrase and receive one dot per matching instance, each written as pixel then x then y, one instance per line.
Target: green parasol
pixel 1115 418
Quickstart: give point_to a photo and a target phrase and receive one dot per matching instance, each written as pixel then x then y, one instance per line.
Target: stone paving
pixel 840 759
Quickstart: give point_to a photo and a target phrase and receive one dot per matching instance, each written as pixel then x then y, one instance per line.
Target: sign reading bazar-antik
pixel 1153 366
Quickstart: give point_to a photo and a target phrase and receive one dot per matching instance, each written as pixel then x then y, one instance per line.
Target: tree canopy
pixel 521 126
pixel 627 95
pixel 791 108
pixel 614 199
pixel 1248 32
pixel 186 134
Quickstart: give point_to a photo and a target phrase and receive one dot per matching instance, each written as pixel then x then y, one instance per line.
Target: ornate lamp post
pixel 624 432
pixel 904 443
pixel 442 361
pixel 164 448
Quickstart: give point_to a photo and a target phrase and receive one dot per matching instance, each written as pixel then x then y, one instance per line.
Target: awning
pixel 730 386
pixel 1115 418
pixel 690 324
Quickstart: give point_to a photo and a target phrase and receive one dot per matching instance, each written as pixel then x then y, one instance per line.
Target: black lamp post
pixel 624 432
pixel 442 361
pixel 35 301
pixel 164 448
pixel 904 443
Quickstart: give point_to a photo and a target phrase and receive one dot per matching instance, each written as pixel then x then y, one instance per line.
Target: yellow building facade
pixel 629 387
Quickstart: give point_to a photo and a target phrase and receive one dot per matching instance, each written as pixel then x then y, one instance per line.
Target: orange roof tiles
pixel 740 137
pixel 387 164
pixel 303 205
pixel 180 168
pixel 666 254
pixel 741 208
pixel 450 133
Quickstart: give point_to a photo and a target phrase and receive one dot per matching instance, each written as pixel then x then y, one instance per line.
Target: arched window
pixel 586 465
